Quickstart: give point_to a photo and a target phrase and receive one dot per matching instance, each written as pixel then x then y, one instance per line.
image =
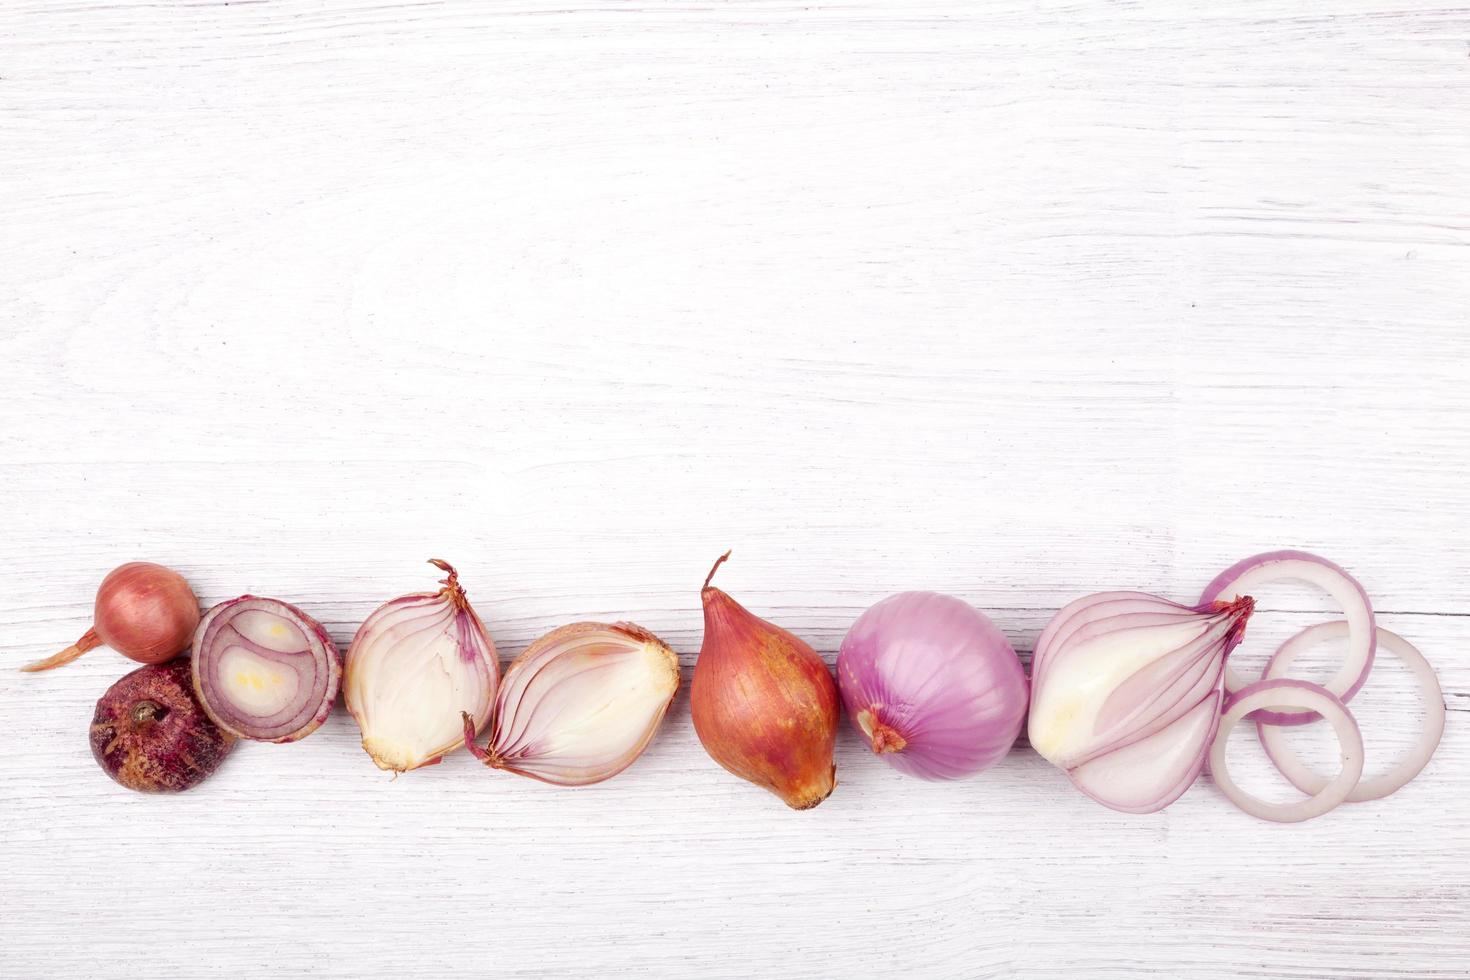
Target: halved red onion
pixel 1273 739
pixel 1303 696
pixel 1151 773
pixel 1274 566
pixel 1127 695
pixel 417 665
pixel 264 670
pixel 580 704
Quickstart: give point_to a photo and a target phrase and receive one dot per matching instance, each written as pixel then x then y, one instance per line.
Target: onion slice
pixel 264 670
pixel 1250 573
pixel 1278 693
pixel 1273 739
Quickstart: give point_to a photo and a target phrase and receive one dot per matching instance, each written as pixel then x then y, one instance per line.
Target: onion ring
pixel 1273 740
pixel 1282 692
pixel 1335 581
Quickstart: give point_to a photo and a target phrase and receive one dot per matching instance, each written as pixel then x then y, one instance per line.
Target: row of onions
pixel 1130 694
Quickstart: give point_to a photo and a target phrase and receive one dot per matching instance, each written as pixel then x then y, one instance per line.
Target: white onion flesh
pixel 416 666
pixel 582 703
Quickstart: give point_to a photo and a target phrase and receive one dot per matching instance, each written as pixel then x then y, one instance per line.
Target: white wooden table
pixel 1015 301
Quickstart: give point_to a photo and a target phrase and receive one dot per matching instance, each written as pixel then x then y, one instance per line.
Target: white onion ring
pixel 1276 566
pixel 1374 788
pixel 1284 692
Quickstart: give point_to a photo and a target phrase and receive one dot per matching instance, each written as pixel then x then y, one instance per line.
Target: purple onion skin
pixel 150 734
pixel 932 685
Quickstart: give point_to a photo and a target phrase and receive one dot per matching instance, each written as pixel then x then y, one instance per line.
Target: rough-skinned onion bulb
pixel 150 734
pixel 416 664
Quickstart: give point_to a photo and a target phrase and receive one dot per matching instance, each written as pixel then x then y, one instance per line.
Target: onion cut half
pixel 1275 566
pixel 580 704
pixel 1273 739
pixel 264 670
pixel 1285 693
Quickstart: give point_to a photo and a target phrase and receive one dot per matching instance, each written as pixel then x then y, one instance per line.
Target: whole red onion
pixel 933 685
pixel 151 735
pixel 145 612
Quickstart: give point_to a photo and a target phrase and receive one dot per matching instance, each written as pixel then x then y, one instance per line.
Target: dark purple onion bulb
pixel 150 734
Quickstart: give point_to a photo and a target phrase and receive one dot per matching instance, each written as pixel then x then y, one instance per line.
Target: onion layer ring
pixel 1375 787
pixel 1302 695
pixel 1276 566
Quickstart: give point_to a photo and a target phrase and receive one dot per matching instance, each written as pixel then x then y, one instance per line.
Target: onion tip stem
pixel 89 641
pixel 718 562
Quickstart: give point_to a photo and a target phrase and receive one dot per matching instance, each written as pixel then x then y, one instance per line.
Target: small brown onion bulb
pixel 144 611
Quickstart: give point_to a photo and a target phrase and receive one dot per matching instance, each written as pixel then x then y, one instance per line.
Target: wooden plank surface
pixel 1017 301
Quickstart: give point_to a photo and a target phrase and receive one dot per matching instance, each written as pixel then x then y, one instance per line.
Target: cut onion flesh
pixel 1246 577
pixel 1284 693
pixel 264 670
pixel 1151 773
pixel 1273 739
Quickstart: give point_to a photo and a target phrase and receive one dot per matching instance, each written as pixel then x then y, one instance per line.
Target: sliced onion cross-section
pixel 1274 740
pixel 1282 693
pixel 265 670
pixel 1249 574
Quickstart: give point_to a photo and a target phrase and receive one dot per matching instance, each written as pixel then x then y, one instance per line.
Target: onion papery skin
pixel 144 611
pixel 580 704
pixel 1126 697
pixel 150 734
pixel 1274 566
pixel 265 670
pixel 416 665
pixel 763 702
pixel 932 685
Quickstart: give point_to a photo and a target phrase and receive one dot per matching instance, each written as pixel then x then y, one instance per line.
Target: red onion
pixel 1304 696
pixel 1273 739
pixel 150 734
pixel 933 685
pixel 265 670
pixel 1274 566
pixel 143 611
pixel 580 704
pixel 1125 693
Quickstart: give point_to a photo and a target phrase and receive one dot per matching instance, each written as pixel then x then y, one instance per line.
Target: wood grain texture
pixel 1011 300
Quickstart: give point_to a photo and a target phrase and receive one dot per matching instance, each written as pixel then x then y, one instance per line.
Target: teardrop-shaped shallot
pixel 764 703
pixel 1126 689
pixel 415 666
pixel 580 704
pixel 265 670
